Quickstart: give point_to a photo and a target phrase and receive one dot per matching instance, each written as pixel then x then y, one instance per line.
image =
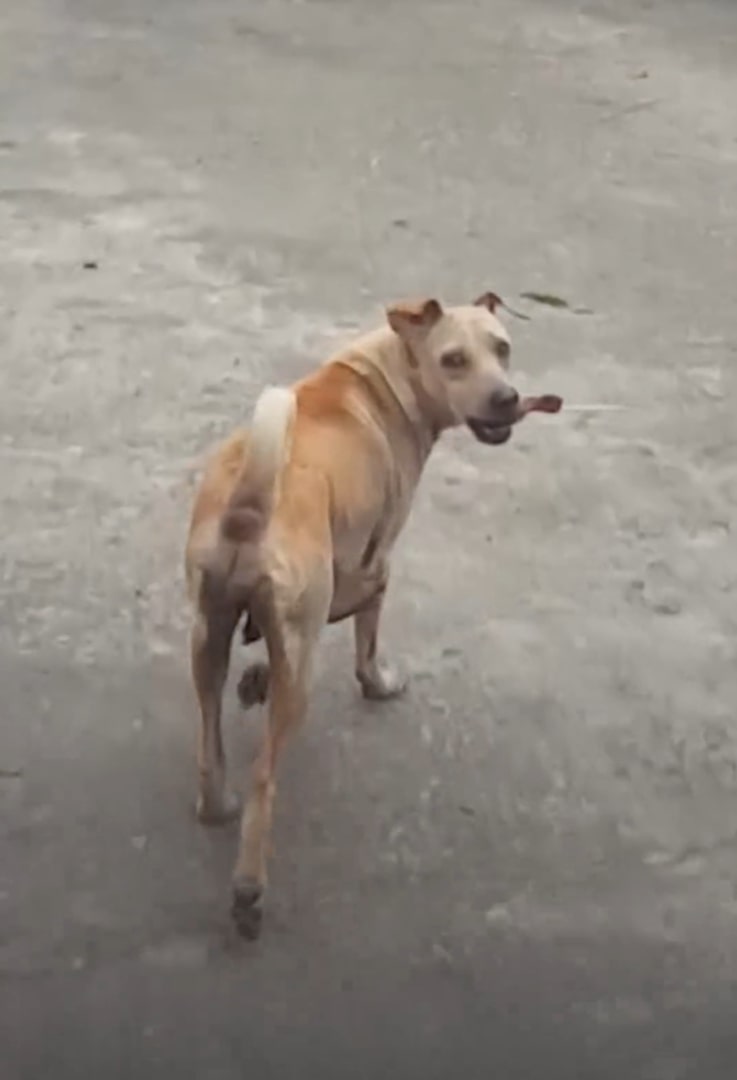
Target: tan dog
pixel 294 522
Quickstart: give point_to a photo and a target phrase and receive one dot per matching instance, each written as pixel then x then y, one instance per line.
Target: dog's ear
pixel 490 301
pixel 413 314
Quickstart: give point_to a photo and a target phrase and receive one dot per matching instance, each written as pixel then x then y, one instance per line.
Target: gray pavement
pixel 526 868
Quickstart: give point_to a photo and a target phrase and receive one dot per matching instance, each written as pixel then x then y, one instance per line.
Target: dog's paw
pixel 253 686
pixel 247 908
pixel 216 810
pixel 382 684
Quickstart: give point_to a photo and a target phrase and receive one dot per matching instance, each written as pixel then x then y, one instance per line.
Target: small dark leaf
pixel 550 299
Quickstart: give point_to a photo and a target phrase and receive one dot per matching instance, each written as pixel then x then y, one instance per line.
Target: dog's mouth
pixel 490 432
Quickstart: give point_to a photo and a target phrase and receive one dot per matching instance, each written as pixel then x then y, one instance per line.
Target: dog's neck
pixel 383 355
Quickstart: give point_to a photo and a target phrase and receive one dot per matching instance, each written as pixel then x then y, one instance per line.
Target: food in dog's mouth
pixel 495 432
pixel 549 403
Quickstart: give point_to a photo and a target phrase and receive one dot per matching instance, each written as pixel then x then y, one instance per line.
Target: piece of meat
pixel 547 403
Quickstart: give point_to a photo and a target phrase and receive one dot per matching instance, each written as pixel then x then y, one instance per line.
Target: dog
pixel 295 519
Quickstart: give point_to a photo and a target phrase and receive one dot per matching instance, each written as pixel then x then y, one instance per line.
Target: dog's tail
pixel 248 510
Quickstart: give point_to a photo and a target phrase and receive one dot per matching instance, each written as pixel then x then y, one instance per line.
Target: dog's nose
pixel 504 397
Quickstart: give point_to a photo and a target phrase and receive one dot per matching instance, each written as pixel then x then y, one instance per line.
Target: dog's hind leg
pixel 211 636
pixel 292 631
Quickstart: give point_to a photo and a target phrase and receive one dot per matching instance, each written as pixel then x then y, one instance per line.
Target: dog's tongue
pixel 547 403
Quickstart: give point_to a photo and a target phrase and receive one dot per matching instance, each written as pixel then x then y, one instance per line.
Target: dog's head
pixel 461 357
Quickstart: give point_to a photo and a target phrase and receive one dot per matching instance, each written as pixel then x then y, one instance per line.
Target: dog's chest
pixel 365 540
pixel 374 546
pixel 360 556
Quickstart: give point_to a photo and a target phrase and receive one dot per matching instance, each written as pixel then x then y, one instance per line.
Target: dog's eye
pixel 502 351
pixel 454 360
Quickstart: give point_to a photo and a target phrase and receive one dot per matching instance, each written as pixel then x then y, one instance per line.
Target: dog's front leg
pixel 379 681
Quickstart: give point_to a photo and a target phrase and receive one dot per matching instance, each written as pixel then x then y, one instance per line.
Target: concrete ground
pixel 527 868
